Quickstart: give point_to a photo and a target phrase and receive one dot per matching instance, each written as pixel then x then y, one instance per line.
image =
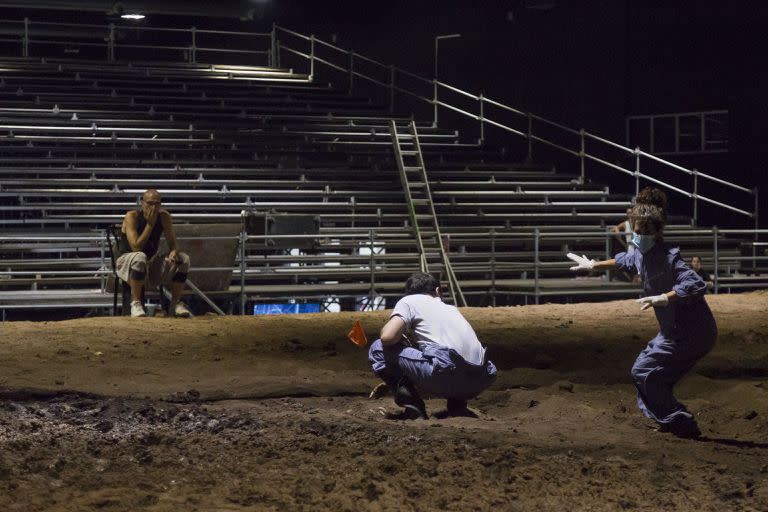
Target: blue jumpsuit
pixel 687 331
pixel 436 370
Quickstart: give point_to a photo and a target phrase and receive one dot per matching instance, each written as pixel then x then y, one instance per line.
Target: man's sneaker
pixel 408 398
pixel 181 310
pixel 137 309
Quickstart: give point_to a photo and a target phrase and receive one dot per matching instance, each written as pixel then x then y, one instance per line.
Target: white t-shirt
pixel 433 321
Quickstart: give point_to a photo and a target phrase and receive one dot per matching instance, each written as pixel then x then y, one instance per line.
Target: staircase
pixel 421 209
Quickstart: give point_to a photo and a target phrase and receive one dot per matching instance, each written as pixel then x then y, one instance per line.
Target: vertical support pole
pixel 103 266
pixel 529 136
pixel 111 43
pixel 193 48
pixel 716 270
pixel 581 156
pixel 372 268
pixel 25 40
pixel 243 238
pixel 637 171
pixel 273 46
pixel 482 119
pixel 493 267
pixel 392 71
pixel 608 238
pixel 757 226
pixel 434 102
pixel 351 71
pixel 311 57
pixel 536 235
pixel 695 197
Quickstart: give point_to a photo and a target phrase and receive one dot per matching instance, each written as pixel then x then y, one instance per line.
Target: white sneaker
pixel 181 310
pixel 137 309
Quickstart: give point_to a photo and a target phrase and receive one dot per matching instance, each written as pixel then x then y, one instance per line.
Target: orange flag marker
pixel 357 335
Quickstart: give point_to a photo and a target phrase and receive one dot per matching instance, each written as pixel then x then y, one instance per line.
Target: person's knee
pixel 184 261
pixel 138 268
pixel 639 372
pixel 376 351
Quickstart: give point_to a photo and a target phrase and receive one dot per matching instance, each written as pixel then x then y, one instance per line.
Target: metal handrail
pixel 483 119
pixel 26 35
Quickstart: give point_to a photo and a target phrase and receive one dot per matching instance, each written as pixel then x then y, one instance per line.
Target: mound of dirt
pixel 271 413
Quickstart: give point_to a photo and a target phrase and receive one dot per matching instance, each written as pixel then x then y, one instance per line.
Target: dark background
pixel 585 63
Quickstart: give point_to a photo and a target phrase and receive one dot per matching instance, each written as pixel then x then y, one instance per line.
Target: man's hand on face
pixel 153 215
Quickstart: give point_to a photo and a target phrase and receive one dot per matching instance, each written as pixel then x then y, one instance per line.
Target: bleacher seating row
pixel 80 142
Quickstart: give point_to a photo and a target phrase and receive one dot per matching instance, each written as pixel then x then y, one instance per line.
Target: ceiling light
pixel 132 16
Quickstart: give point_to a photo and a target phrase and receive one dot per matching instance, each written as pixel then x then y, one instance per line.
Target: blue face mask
pixel 644 243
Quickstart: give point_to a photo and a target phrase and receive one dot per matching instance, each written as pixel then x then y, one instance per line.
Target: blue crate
pixel 285 309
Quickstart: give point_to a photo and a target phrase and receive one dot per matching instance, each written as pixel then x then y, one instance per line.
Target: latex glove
pixel 657 301
pixel 583 263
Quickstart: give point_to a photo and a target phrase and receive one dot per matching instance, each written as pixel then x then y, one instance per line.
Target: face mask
pixel 644 243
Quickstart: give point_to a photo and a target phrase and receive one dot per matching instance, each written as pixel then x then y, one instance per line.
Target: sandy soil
pixel 224 414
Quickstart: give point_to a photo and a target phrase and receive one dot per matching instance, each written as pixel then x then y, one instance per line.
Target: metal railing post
pixel 243 238
pixel 193 48
pixel 581 156
pixel 351 71
pixel 372 268
pixel 608 238
pixel 536 265
pixel 716 286
pixel 695 197
pixel 529 135
pixel 757 226
pixel 493 267
pixel 637 171
pixel 311 57
pixel 111 43
pixel 25 40
pixel 434 103
pixel 273 46
pixel 482 120
pixel 392 71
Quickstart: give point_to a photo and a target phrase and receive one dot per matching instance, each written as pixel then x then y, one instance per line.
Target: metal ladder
pixel 421 209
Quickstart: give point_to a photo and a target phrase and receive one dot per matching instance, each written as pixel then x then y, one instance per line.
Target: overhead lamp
pixel 132 16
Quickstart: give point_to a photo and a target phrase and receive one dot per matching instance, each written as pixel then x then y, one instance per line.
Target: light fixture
pixel 132 16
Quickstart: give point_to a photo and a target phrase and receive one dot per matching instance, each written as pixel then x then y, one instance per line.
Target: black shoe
pixel 456 408
pixel 408 398
pixel 684 429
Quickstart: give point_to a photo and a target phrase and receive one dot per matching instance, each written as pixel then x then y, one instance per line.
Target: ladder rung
pixel 409 153
pixel 412 167
pixel 416 184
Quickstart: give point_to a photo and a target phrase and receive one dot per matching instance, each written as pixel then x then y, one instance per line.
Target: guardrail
pixel 680 133
pixel 373 241
pixel 523 124
pixel 70 37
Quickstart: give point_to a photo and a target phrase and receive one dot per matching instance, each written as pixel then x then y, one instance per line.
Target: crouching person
pixel 448 360
pixel 140 264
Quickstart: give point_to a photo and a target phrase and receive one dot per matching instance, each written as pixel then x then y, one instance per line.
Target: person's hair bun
pixel 653 197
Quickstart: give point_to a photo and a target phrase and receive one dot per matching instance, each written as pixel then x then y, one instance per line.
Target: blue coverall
pixel 687 331
pixel 435 370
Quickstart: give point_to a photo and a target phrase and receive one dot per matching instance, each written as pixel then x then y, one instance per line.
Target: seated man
pixel 449 362
pixel 139 260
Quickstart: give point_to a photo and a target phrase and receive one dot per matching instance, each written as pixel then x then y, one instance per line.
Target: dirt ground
pixel 271 413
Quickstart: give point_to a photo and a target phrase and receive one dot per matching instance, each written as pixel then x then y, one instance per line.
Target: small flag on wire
pixel 357 335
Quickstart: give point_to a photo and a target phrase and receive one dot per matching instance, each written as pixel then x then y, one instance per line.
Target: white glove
pixel 657 301
pixel 583 263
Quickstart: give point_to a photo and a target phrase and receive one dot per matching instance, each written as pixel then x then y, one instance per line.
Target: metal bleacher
pixel 81 140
